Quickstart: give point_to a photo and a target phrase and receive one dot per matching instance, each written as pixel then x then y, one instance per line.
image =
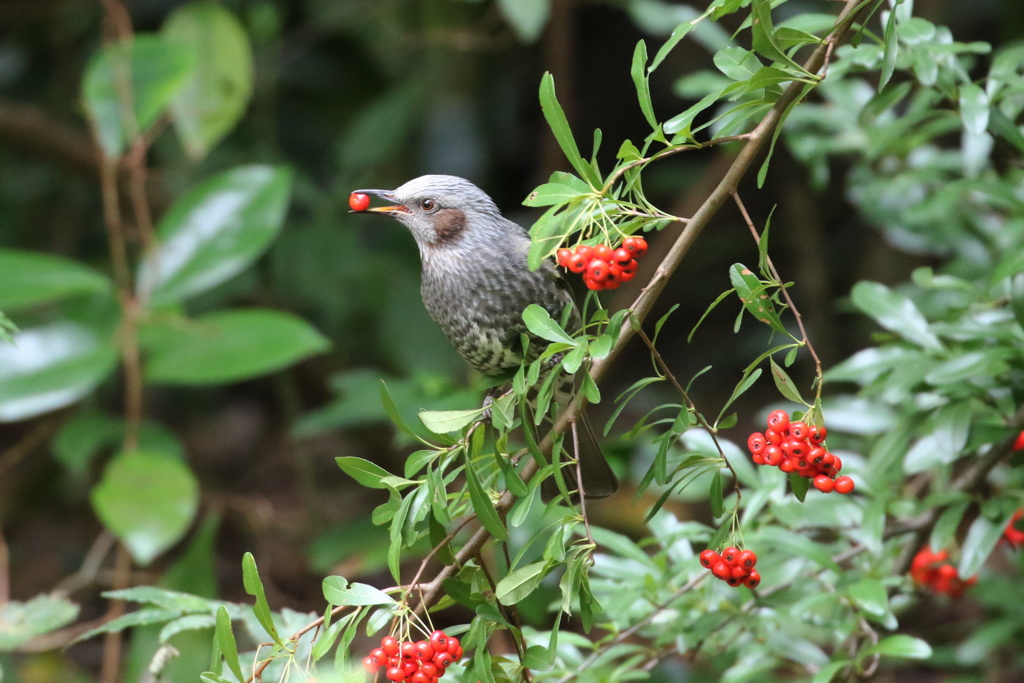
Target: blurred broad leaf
pixel 895 313
pixel 229 346
pixel 22 621
pixel 527 17
pixel 51 367
pixel 30 278
pixel 214 232
pixel 145 72
pixel 148 500
pixel 83 436
pixel 219 87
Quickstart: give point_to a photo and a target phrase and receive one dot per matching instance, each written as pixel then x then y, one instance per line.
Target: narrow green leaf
pixel 899 645
pixel 226 641
pixel 715 495
pixel 981 540
pixel 20 621
pixel 753 294
pixel 521 582
pixel 445 421
pixel 799 485
pixel 540 323
pixel 482 505
pixel 890 52
pixel 869 595
pixel 254 586
pixel 643 86
pixel 559 125
pixel 785 384
pixel 827 673
pixel 764 35
pixel 974 108
pixel 678 34
pixel 338 592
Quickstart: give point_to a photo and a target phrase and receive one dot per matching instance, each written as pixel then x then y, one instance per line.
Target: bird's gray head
pixel 442 211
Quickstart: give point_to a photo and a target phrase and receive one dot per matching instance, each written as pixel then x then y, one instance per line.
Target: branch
pixel 754 143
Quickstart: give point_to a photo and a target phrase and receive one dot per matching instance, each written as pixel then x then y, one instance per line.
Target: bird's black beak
pixel 389 196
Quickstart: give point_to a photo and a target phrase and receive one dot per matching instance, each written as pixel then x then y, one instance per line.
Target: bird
pixel 476 283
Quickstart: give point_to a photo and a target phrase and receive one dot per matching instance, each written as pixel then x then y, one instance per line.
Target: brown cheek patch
pixel 449 225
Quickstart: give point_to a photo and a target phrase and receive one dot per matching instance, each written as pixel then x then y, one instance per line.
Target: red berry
pixel 420 677
pixel 628 267
pixel 586 251
pixel 778 420
pixel 740 572
pixel 1018 444
pixel 628 275
pixel 818 434
pixel 457 655
pixel 603 252
pixel 799 430
pixel 837 464
pixel 621 255
pixel 721 570
pixel 747 558
pixel 564 256
pixel 794 448
pixel 753 580
pixel 439 641
pixel 370 665
pixel 378 656
pixel 390 645
pixel 1011 534
pixel 410 667
pixel 453 646
pixel 443 660
pixel 734 581
pixel 787 465
pixel 774 437
pixel 614 277
pixel 635 245
pixel 772 455
pixel 358 201
pixel 730 555
pixel 844 484
pixel 395 673
pixel 407 650
pixel 430 669
pixel 824 483
pixel 424 651
pixel 709 558
pixel 597 269
pixel 757 443
pixel 577 263
pixel 596 285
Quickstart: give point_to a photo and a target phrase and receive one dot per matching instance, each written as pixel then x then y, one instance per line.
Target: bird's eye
pixel 428 205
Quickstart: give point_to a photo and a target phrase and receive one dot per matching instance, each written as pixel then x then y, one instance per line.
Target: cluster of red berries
pixel 931 570
pixel 423 661
pixel 1012 534
pixel 734 566
pixel 799 447
pixel 357 201
pixel 603 267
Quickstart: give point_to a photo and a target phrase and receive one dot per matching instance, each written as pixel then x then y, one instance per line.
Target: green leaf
pixel 899 646
pixel 785 384
pixel 553 194
pixel 799 485
pixel 890 51
pixel 20 622
pixel 214 232
pixel 974 108
pixel 981 540
pixel 643 86
pixel 226 642
pixel 445 421
pixel 894 312
pixel 764 34
pixel 145 71
pixel 678 34
pixel 753 293
pixel 521 582
pixel 715 495
pixel 559 125
pixel 338 592
pixel 540 323
pixel 50 367
pixel 526 17
pixel 482 505
pixel 228 346
pixel 736 63
pixel 869 595
pixel 148 500
pixel 828 672
pixel 795 545
pixel 218 89
pixel 254 586
pixel 29 278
